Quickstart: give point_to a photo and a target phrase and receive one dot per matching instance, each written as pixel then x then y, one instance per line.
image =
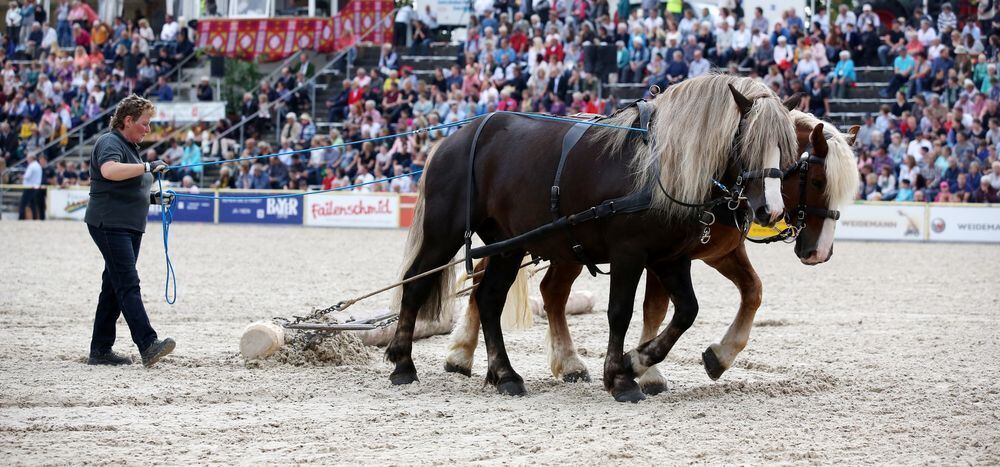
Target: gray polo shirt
pixel 123 204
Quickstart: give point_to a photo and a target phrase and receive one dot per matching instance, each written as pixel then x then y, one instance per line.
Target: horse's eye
pixel 818 184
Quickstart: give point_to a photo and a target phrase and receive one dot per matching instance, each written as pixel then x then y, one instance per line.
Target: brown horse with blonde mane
pixel 494 180
pixel 830 179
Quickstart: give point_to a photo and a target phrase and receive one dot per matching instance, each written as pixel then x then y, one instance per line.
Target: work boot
pixel 108 357
pixel 157 350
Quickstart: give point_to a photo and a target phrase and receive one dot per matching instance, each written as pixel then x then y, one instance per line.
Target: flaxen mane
pixel 842 176
pixel 693 128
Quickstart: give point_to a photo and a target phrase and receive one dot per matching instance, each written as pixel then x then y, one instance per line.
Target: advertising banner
pixel 903 222
pixel 964 224
pixel 233 207
pixel 352 210
pixel 188 210
pixel 189 111
pixel 449 12
pixel 273 39
pixel 66 204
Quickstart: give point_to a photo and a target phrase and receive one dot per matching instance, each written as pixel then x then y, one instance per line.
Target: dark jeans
pixel 33 200
pixel 119 290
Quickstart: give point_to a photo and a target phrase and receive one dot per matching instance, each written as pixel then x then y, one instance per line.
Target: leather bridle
pixel 801 210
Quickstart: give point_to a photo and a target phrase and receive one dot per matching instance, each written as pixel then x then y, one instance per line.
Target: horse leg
pixel 676 277
pixel 619 378
pixel 431 248
pixel 490 296
pixel 737 268
pixel 465 336
pixel 563 358
pixel 654 309
pixel 463 341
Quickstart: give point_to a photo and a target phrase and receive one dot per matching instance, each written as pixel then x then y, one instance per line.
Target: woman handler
pixel 116 217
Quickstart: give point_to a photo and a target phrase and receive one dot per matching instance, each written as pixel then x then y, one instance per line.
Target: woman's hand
pixel 157 167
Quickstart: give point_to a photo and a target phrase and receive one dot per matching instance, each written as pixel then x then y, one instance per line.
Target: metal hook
pixel 711 219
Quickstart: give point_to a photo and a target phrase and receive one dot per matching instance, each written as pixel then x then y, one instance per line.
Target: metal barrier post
pixel 312 98
pixel 3 183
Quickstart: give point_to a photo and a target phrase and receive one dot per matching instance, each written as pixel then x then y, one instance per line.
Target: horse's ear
pixel 852 134
pixel 742 102
pixel 793 101
pixel 818 140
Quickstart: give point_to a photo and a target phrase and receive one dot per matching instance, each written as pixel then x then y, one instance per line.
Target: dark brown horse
pixel 512 160
pixel 826 182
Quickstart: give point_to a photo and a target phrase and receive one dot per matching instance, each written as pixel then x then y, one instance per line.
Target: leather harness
pixel 632 203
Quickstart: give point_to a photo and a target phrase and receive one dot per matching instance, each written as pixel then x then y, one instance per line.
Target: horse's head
pixel 814 187
pixel 764 124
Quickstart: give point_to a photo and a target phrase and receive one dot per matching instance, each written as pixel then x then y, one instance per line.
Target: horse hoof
pixel 511 388
pixel 653 389
pixel 712 365
pixel 453 368
pixel 399 379
pixel 577 377
pixel 631 395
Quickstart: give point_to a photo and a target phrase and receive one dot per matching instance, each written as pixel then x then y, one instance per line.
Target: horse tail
pixel 439 300
pixel 517 310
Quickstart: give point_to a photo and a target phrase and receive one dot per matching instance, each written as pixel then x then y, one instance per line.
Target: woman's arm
pixel 117 171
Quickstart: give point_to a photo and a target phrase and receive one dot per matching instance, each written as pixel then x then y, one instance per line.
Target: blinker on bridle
pixel 802 209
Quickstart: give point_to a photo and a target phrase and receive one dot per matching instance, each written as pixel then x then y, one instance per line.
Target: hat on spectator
pixel 945 6
pixel 943 185
pixel 305 117
pixel 968 82
pixel 867 7
pixel 782 39
pixel 290 115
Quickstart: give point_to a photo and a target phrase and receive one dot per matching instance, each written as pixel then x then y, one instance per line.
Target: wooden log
pixel 579 303
pixel 261 339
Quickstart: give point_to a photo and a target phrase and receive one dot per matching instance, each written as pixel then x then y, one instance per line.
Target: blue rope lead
pixel 294 195
pixel 166 217
pixel 407 133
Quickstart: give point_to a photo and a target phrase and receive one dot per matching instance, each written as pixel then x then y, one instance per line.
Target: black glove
pixel 157 167
pixel 168 198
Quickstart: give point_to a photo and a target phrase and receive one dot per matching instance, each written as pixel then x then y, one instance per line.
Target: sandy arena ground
pixel 886 355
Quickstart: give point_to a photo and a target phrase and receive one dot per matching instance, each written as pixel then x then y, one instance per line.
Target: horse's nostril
pixel 763 213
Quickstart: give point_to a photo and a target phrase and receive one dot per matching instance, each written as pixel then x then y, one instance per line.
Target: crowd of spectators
pixel 54 80
pixel 936 141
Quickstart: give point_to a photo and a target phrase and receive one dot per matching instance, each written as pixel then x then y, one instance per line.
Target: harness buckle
pixel 736 198
pixel 706 235
pixel 707 218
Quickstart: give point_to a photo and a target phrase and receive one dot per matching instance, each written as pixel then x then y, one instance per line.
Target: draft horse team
pixel 650 188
